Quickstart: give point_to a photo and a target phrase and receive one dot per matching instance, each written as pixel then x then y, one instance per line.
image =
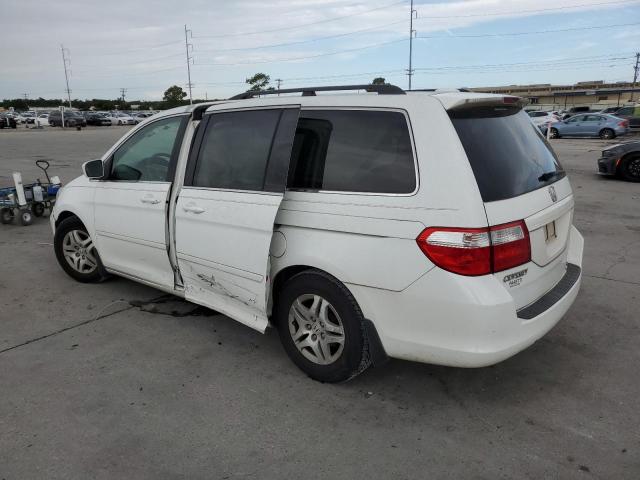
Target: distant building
pixel 593 93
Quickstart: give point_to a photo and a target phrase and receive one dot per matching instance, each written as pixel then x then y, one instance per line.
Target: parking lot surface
pixel 118 380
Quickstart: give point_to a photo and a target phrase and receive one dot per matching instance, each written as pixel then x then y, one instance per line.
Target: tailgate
pixel 548 214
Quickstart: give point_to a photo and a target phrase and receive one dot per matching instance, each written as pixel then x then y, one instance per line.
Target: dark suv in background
pixel 71 119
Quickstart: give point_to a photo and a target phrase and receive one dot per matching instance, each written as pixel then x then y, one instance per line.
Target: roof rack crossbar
pixel 311 91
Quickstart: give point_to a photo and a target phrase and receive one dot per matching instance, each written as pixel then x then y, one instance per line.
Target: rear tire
pixel 6 215
pixel 76 252
pixel 26 218
pixel 324 334
pixel 607 134
pixel 37 209
pixel 630 168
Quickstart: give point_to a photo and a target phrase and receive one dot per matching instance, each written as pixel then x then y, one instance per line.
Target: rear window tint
pixel 353 151
pixel 508 154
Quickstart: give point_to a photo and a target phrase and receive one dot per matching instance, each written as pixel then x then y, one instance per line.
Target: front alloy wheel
pixel 316 329
pixel 79 251
pixel 76 252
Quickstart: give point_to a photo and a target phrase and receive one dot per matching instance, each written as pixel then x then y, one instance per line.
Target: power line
pixel 536 32
pixel 302 25
pixel 540 10
pixel 338 52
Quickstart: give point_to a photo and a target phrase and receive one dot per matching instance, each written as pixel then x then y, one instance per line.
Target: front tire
pixel 554 133
pixel 322 327
pixel 607 134
pixel 76 252
pixel 630 168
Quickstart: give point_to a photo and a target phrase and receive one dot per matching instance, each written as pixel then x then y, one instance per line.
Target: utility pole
pixel 66 63
pixel 278 81
pixel 123 91
pixel 635 75
pixel 411 34
pixel 189 58
pixel 25 96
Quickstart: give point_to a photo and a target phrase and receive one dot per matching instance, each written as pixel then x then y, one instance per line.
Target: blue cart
pixel 27 201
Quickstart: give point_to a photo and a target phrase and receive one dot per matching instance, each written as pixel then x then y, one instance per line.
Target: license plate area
pixel 550 232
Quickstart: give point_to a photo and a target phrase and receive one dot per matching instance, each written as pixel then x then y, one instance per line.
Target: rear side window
pixel 235 150
pixel 352 151
pixel 508 155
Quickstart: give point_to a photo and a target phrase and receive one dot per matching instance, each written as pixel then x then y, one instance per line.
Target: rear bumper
pixel 459 321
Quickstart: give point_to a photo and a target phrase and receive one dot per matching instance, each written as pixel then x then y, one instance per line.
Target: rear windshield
pixel 508 154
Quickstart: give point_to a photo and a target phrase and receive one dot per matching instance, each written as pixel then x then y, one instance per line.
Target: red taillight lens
pixel 477 251
pixel 466 251
pixel 624 123
pixel 510 245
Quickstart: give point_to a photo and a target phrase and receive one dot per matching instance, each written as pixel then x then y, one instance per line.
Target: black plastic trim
pixel 376 351
pixel 554 295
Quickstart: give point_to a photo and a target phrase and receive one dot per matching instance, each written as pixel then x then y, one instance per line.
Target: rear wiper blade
pixel 549 175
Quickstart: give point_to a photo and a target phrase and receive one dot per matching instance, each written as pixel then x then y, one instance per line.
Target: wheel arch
pixel 377 352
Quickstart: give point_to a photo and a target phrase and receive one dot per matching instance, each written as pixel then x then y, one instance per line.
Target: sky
pixel 140 45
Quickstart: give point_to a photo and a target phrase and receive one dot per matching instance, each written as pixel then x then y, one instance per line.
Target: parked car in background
pixel 591 125
pixel 124 119
pixel 610 110
pixel 543 118
pixel 97 120
pixel 622 160
pixel 141 116
pixel 632 114
pixel 574 111
pixel 335 219
pixel 71 119
pixel 7 121
pixel 43 119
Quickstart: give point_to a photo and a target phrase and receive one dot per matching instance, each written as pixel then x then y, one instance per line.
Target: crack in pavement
pixel 99 316
pixel 612 279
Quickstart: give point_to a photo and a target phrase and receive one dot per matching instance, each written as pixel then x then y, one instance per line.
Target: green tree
pixel 174 96
pixel 258 82
pixel 379 81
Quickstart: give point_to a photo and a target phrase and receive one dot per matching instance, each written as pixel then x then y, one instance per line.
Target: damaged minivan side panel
pixel 225 211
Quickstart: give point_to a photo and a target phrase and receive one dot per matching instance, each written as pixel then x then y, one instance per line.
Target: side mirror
pixel 93 169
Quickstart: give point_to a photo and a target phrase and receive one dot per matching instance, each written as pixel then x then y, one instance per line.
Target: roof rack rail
pixel 462 89
pixel 311 91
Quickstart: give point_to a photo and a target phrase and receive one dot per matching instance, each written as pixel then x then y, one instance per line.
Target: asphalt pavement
pixel 118 380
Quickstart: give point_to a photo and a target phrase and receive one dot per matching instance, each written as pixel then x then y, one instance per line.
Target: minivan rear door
pixel 520 178
pixel 234 183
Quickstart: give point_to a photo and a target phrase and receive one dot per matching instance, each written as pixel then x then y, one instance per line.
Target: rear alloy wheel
pixel 631 168
pixel 76 252
pixel 554 133
pixel 322 327
pixel 607 134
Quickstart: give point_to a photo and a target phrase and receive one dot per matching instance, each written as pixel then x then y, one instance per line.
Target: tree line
pixel 174 96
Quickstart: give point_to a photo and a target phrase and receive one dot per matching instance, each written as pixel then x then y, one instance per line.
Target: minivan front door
pixel 130 204
pixel 234 184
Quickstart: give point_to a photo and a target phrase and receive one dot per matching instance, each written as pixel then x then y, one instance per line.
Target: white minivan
pixel 429 226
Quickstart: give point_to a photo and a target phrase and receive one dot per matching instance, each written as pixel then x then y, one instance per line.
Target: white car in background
pixel 43 119
pixel 543 118
pixel 119 118
pixel 360 226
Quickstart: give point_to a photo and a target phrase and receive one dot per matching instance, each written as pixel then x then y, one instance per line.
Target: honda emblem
pixel 553 194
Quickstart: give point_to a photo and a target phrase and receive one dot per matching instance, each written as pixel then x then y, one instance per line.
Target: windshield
pixel 508 154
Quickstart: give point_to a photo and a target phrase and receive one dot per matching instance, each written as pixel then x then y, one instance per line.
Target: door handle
pixel 193 208
pixel 149 199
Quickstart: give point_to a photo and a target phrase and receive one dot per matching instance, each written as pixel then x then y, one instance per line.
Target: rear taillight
pixel 624 124
pixel 477 251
